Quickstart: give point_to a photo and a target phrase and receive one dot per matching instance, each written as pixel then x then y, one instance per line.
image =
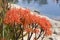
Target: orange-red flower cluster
pixel 24 17
pixel 12 16
pixel 45 25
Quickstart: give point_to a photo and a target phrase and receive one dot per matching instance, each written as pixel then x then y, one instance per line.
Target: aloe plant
pixel 14 22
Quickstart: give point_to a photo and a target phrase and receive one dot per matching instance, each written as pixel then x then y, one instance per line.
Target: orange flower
pixel 21 16
pixel 12 16
pixel 28 30
pixel 48 32
pixel 45 25
pixel 27 16
pixel 36 30
pixel 33 18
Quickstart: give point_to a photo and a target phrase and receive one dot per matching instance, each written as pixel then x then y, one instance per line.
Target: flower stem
pixel 35 32
pixel 40 34
pixel 22 34
pixel 43 37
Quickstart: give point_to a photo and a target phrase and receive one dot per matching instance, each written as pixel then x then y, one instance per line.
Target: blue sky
pixel 51 9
